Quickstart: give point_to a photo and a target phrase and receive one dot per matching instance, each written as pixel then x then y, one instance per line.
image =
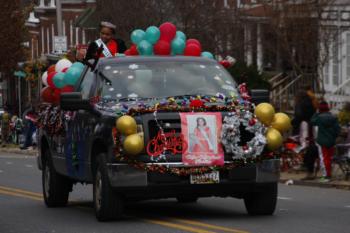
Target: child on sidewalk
pixel 328 130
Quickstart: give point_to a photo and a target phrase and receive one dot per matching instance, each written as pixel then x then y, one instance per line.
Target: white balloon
pixel 44 78
pixel 61 64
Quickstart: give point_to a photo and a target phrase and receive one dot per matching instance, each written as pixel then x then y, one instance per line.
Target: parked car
pixel 89 148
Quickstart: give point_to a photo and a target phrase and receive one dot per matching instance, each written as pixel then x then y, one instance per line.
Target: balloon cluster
pixel 60 78
pixel 277 123
pixel 165 40
pixel 133 143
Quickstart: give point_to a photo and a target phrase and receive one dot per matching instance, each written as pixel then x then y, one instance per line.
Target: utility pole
pixel 59 17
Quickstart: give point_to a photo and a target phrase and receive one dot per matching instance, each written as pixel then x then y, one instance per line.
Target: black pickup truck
pixel 79 140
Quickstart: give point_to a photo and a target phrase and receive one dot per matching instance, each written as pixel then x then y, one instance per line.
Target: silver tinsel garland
pixel 230 136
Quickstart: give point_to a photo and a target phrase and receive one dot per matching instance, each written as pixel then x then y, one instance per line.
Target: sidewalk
pixel 295 178
pixel 14 149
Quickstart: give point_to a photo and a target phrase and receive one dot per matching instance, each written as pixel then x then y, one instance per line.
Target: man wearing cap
pixel 328 131
pixel 110 46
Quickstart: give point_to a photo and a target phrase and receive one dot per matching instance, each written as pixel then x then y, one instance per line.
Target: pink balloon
pixel 167 31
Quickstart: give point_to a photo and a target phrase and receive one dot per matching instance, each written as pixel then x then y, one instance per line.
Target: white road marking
pixel 347 206
pixel 1 171
pixel 9 163
pixel 284 198
pixel 28 165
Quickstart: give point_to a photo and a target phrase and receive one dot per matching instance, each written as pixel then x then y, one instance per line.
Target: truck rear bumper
pixel 124 177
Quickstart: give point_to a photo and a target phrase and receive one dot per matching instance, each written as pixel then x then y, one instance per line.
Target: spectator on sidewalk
pixel 5 127
pixel 328 130
pixel 303 112
pixel 30 128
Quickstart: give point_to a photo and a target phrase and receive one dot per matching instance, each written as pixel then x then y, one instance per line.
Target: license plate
pixel 206 178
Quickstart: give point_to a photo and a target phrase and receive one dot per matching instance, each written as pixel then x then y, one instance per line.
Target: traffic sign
pixel 60 44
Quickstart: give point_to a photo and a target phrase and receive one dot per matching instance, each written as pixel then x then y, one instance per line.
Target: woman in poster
pixel 202 138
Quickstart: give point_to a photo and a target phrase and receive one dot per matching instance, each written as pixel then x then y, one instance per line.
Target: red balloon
pixel 194 41
pixel 47 95
pixel 66 89
pixel 50 79
pixel 167 31
pixel 51 68
pixel 65 70
pixel 127 52
pixel 225 63
pixel 192 50
pixel 162 47
pixel 133 50
pixel 56 96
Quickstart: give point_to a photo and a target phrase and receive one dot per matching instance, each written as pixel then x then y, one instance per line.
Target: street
pixel 299 209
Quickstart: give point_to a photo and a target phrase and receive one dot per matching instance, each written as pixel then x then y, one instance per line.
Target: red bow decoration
pixel 196 103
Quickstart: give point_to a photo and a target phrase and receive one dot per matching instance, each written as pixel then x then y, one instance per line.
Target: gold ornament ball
pixel 133 144
pixel 281 122
pixel 274 139
pixel 126 125
pixel 265 113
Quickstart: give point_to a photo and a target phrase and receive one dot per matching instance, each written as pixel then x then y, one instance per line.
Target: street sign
pixel 19 74
pixel 60 44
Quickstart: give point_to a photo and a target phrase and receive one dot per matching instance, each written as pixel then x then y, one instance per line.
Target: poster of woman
pixel 201 133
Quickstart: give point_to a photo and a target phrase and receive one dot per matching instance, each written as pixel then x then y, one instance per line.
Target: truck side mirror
pixel 73 101
pixel 260 96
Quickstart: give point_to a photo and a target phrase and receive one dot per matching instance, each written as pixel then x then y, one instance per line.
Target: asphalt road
pixel 299 209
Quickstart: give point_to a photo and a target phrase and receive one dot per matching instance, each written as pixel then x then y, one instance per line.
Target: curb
pixel 19 151
pixel 317 184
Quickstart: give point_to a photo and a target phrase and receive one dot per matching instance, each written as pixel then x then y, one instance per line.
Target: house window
pixel 335 63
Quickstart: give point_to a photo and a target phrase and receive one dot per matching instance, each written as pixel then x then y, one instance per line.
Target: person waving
pixel 110 46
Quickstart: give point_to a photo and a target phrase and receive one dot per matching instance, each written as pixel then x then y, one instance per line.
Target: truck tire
pixel 107 204
pixel 185 199
pixel 262 203
pixel 56 187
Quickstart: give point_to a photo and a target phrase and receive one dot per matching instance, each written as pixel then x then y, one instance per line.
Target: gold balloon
pixel 126 125
pixel 274 139
pixel 281 122
pixel 133 144
pixel 265 112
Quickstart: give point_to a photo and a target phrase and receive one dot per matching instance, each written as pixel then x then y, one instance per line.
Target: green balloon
pixel 181 35
pixel 178 46
pixel 137 36
pixel 207 55
pixel 145 48
pixel 152 34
